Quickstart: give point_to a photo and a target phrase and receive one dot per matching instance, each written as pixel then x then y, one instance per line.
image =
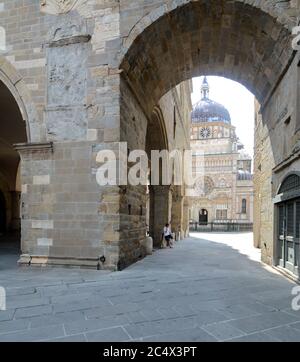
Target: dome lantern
pixel 207 110
pixel 205 89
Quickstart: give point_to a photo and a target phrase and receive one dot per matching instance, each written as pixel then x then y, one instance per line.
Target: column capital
pixel 160 190
pixel 34 148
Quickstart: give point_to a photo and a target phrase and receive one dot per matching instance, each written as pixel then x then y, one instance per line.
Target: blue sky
pixel 239 102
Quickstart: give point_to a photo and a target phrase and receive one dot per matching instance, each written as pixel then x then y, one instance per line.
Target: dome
pixel 244 176
pixel 207 110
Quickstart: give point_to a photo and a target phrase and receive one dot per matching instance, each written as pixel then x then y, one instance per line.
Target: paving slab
pixel 284 334
pixel 108 335
pixel 210 287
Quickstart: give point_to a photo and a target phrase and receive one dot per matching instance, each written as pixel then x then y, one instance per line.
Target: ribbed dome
pixel 207 110
pixel 244 176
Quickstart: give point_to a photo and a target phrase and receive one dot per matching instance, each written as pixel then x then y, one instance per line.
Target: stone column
pixel 186 217
pixel 15 223
pixel 160 212
pixel 68 219
pixel 37 224
pixel 177 213
pixel 297 107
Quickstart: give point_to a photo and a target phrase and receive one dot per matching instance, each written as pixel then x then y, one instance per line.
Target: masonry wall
pixel 175 109
pixel 64 71
pixel 133 199
pixel 275 142
pixel 69 85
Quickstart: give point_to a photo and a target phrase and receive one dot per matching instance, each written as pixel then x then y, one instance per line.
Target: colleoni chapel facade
pixel 225 168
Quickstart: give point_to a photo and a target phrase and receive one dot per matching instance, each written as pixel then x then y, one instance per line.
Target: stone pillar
pixel 177 213
pixel 160 212
pixel 37 224
pixel 15 223
pixel 297 115
pixel 186 217
pixel 67 218
pixel 148 211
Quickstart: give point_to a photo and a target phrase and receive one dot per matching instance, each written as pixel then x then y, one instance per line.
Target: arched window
pixel 291 183
pixel 2 39
pixel 244 206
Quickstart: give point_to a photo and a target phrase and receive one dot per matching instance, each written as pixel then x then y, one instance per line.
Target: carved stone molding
pixel 30 149
pixel 288 160
pixel 56 7
pixel 67 30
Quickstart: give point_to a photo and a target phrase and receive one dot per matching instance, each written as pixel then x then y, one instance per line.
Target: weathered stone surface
pixel 238 299
pixel 101 72
pixel 57 7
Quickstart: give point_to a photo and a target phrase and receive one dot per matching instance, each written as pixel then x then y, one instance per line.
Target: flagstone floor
pixel 210 287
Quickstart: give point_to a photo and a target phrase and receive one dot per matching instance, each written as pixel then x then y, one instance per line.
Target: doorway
pixel 203 217
pixel 12 131
pixel 289 232
pixel 288 238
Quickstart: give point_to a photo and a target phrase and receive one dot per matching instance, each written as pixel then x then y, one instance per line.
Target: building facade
pixel 224 191
pixel 86 75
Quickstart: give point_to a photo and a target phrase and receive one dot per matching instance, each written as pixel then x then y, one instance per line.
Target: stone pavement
pixel 210 287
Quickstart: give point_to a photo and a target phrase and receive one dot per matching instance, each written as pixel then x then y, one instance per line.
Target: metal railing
pixel 221 227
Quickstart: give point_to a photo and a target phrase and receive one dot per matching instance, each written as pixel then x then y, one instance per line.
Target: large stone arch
pixel 16 115
pixel 286 14
pixel 248 43
pixel 11 78
pixel 157 127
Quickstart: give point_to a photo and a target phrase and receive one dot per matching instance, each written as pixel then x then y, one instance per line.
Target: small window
pixel 221 214
pixel 244 206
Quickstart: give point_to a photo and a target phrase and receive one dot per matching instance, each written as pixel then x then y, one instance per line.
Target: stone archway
pixel 160 204
pixel 16 85
pixel 13 130
pixel 246 43
pixel 285 13
pixel 131 57
pixel 233 39
pixel 203 217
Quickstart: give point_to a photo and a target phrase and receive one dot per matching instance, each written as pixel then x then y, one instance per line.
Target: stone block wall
pixel 175 107
pixel 64 66
pixel 64 69
pixel 275 142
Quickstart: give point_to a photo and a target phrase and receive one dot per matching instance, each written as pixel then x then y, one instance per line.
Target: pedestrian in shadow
pixel 167 235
